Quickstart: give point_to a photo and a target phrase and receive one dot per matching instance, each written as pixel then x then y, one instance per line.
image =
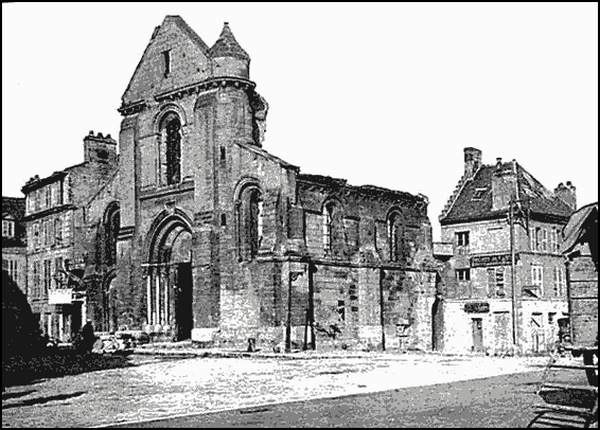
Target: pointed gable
pixel 475 200
pixel 187 55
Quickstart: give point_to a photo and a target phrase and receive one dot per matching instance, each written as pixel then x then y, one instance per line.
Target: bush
pixel 21 334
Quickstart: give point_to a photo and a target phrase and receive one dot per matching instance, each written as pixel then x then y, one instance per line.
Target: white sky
pixel 382 94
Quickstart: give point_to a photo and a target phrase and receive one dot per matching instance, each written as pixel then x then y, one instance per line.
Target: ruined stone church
pixel 219 241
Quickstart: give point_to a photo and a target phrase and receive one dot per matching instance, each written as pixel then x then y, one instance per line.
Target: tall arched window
pixel 112 222
pixel 249 222
pixel 171 151
pixel 395 236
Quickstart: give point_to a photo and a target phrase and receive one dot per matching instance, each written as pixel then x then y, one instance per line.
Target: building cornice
pixel 196 88
pixel 37 183
pixel 50 211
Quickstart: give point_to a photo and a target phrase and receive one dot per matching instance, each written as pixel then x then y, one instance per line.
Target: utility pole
pixel 515 325
pixel 288 327
pixel 512 272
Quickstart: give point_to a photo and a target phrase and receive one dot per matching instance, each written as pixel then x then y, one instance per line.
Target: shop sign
pixel 60 296
pixel 477 307
pixel 492 260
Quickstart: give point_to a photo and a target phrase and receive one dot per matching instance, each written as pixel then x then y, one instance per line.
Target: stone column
pixel 157 297
pixel 148 281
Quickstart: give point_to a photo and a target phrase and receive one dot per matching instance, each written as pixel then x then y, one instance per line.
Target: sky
pixel 378 93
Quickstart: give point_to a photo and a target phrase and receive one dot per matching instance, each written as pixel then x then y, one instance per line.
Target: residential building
pixel 505 230
pixel 14 246
pixel 57 245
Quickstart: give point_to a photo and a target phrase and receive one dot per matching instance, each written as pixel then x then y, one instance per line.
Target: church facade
pixel 221 241
pixel 202 234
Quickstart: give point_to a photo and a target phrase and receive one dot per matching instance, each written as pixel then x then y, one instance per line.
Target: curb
pixel 234 354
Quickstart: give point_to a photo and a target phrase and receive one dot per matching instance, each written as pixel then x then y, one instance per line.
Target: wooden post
pixel 381 275
pixel 311 303
pixel 305 346
pixel 288 323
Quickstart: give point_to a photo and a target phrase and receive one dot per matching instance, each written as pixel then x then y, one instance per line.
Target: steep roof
pixel 474 201
pixel 227 46
pixel 575 229
pixel 14 207
pixel 187 30
pixel 179 22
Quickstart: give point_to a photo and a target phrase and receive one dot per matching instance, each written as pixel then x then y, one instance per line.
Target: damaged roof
pixel 474 201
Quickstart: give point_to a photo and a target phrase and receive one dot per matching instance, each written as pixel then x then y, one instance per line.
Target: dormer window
pixel 167 62
pixel 8 228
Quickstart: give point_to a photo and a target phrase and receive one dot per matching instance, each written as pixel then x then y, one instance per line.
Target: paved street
pixel 160 388
pixel 501 401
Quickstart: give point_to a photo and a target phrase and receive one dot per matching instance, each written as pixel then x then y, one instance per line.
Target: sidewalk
pixel 187 349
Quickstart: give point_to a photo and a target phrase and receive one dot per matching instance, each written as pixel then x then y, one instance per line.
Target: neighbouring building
pixel 580 246
pixel 57 220
pixel 14 246
pixel 220 241
pixel 496 212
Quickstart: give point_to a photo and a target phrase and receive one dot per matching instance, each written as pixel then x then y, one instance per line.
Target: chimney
pixel 99 148
pixel 504 185
pixel 567 194
pixel 472 161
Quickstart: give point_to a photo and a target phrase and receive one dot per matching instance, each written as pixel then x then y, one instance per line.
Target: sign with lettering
pixel 492 260
pixel 60 296
pixel 477 307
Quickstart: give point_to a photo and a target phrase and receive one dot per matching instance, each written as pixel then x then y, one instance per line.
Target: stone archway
pixel 169 282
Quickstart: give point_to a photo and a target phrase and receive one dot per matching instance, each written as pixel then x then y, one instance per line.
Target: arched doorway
pixel 169 281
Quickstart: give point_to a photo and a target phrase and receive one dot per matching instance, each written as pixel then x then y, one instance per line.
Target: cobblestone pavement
pixel 159 388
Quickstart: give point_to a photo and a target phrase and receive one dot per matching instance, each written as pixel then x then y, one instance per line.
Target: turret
pixel 229 59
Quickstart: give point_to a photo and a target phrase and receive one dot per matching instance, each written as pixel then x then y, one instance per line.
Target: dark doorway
pixel 75 318
pixel 183 302
pixel 477 324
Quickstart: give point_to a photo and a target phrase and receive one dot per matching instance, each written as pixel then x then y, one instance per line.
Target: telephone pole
pixel 515 326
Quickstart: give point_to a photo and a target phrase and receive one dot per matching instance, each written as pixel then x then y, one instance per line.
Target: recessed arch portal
pixel 169 277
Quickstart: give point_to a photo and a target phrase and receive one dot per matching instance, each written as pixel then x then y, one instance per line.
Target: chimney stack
pixel 472 161
pixel 99 148
pixel 567 194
